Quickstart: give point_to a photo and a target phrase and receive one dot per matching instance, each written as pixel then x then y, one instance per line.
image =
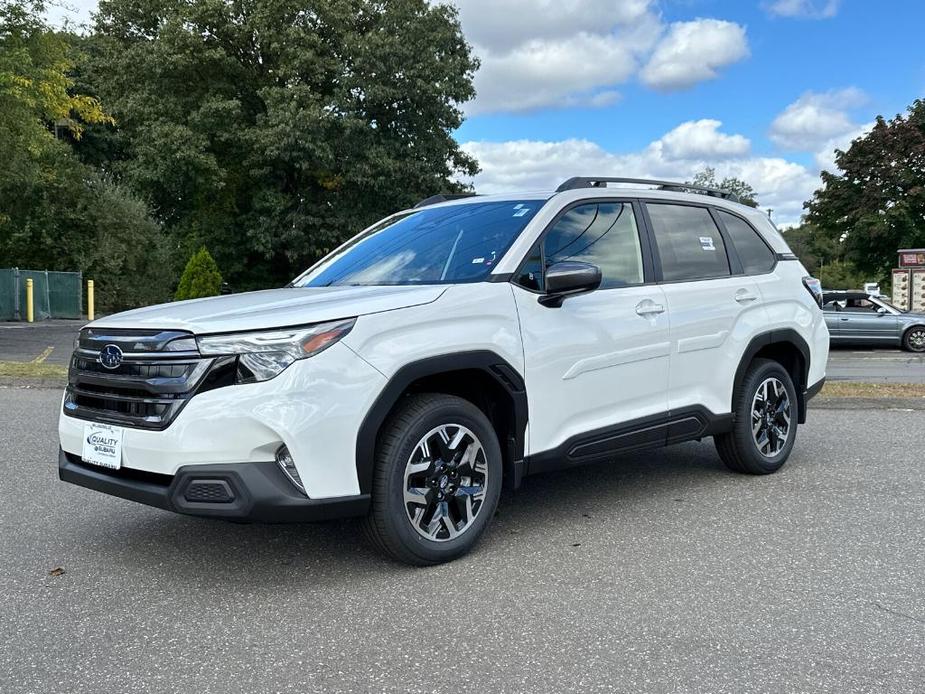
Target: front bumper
pixel 242 491
pixel 314 408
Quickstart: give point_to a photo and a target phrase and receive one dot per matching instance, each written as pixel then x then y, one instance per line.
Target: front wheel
pixel 436 482
pixel 914 339
pixel 765 426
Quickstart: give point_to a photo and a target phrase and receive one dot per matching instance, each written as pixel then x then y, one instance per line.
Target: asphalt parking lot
pixel 659 573
pixel 53 339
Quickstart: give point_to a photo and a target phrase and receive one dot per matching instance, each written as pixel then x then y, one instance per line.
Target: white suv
pixel 452 349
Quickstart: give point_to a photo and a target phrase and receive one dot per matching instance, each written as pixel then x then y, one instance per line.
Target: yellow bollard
pixel 30 315
pixel 90 308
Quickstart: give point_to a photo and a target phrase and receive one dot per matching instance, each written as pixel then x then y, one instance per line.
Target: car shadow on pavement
pixel 197 549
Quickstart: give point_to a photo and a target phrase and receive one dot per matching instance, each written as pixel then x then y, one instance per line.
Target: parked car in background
pixel 855 317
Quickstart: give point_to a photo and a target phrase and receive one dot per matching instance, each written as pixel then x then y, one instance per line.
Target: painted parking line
pixel 44 355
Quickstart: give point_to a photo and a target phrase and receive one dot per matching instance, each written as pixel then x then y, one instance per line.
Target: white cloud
pixel 496 27
pixel 701 139
pixel 562 72
pixel 537 165
pixel 564 53
pixel 807 9
pixel 692 52
pixel 815 118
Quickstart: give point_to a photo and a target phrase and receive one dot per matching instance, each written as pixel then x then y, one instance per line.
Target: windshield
pixel 439 245
pixel 889 305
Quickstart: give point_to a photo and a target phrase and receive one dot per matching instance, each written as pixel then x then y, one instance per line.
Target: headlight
pixel 263 355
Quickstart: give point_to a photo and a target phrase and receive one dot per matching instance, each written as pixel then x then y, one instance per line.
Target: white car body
pixel 665 355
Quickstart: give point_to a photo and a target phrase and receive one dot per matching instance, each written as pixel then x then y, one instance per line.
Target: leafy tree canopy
pixel 271 130
pixel 730 184
pixel 57 213
pixel 35 90
pixel 876 204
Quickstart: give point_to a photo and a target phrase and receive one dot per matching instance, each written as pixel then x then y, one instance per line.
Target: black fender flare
pixel 786 336
pixel 486 361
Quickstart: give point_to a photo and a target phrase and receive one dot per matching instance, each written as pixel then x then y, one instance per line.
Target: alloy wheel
pixel 445 481
pixel 916 340
pixel 771 414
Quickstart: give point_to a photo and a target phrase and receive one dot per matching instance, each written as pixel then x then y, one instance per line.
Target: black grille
pixel 208 492
pixel 150 386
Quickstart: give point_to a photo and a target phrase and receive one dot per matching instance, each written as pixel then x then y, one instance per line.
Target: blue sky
pixel 760 89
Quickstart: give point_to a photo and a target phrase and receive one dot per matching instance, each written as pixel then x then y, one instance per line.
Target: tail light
pixel 814 287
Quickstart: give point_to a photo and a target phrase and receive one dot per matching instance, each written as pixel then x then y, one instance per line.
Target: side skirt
pixel 656 431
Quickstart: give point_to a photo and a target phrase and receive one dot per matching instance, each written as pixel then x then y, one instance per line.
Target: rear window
pixel 754 253
pixel 690 246
pixel 433 245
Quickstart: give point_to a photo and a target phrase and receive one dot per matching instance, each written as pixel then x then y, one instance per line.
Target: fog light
pixel 285 461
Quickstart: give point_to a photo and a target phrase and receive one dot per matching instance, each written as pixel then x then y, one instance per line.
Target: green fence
pixel 54 294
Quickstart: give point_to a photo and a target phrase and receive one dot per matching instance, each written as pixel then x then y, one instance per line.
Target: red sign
pixel 911 259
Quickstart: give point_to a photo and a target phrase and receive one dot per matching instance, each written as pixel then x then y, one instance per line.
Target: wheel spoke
pixel 418 468
pixel 417 495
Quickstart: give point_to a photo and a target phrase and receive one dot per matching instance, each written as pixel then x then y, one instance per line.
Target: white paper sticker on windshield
pixel 521 212
pixel 478 261
pixel 706 243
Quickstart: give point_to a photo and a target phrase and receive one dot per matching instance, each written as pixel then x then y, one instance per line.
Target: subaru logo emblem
pixel 111 356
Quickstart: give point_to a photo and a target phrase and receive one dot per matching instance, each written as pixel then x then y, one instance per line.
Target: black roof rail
pixel 602 181
pixel 443 197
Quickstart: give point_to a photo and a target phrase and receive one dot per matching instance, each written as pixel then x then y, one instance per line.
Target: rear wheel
pixel 914 339
pixel 437 480
pixel 765 425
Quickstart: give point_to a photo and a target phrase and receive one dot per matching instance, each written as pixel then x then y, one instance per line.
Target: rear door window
pixel 690 246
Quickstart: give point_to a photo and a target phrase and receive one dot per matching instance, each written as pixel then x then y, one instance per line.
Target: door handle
pixel 843 319
pixel 649 308
pixel 744 296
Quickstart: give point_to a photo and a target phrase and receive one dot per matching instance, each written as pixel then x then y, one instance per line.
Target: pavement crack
pixel 897 613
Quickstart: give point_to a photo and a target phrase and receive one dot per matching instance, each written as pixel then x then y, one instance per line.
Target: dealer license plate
pixel 102 445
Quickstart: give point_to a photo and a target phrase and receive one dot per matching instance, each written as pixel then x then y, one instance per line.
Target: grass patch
pixel 851 389
pixel 27 369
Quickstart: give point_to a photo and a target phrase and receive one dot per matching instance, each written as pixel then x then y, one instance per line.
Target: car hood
pixel 271 308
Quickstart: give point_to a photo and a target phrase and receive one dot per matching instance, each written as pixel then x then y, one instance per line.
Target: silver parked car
pixel 862 318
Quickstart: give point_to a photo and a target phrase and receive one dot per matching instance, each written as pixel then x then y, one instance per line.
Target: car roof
pixel 622 191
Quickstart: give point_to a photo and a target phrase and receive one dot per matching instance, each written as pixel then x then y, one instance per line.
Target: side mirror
pixel 569 278
pixel 881 311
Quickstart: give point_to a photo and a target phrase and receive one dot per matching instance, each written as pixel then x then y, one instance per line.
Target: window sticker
pixel 706 243
pixel 478 261
pixel 520 211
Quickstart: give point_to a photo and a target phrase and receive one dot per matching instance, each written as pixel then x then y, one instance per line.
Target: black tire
pixel 388 524
pixel 739 448
pixel 914 339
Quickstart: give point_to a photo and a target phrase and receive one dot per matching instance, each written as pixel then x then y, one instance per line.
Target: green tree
pixel 271 130
pixel 56 213
pixel 730 184
pixel 35 90
pixel 876 203
pixel 200 278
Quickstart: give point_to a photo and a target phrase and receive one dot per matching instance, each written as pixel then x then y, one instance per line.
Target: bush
pixel 200 278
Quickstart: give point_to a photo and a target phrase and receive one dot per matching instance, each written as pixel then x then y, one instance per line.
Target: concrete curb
pixel 35 383
pixel 830 403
